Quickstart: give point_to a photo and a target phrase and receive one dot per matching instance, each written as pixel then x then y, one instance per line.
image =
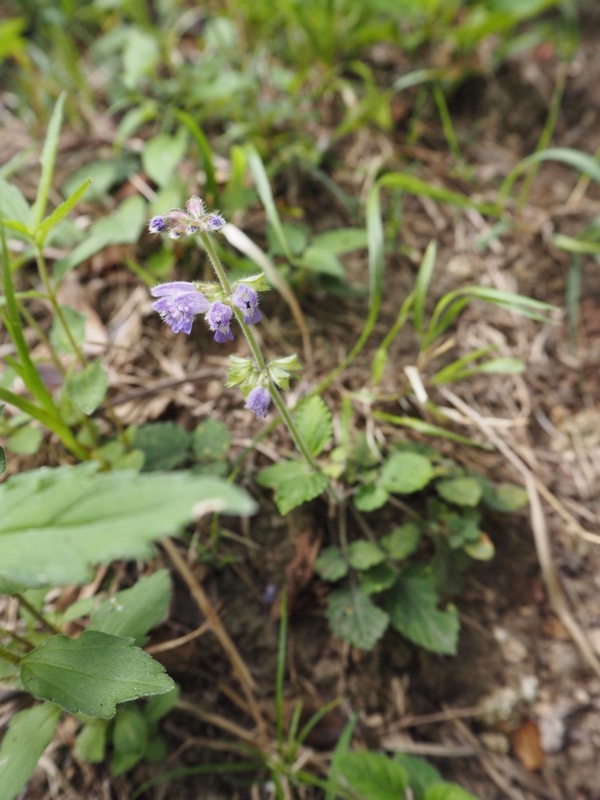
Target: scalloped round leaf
pixel 364 554
pixel 378 578
pixel 402 541
pixel 165 445
pixel 373 776
pixel 370 498
pixel 507 497
pixel 460 491
pixel 331 564
pixel 405 473
pixel 355 618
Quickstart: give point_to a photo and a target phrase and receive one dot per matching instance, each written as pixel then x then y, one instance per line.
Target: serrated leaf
pixel 211 440
pixel 27 736
pixel 355 618
pixel 274 476
pixel 331 564
pixel 402 541
pixel 291 494
pixel 90 675
pixel 370 498
pixel 405 473
pixel 56 524
pixel 315 426
pixel 133 612
pixel 460 491
pixel 364 554
pixel 86 389
pixel 412 605
pixel 378 578
pixel 90 744
pixel 165 445
pixel 373 776
pixel 448 791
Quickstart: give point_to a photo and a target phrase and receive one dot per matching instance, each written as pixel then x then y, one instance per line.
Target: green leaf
pixel 412 605
pixel 315 426
pixel 402 541
pixel 159 706
pixel 28 734
pixel 133 612
pixel 341 240
pixel 130 737
pixel 56 524
pixel 2 460
pixel 378 578
pixel 507 497
pixel 373 776
pixel 211 440
pixel 370 497
pixel 294 483
pixel 165 445
pixel 25 441
pixel 448 791
pixel 413 185
pixel 58 337
pixel 141 56
pixel 90 675
pixel 460 491
pixel 355 618
pixel 405 473
pixel 90 744
pixel 481 550
pixel 13 206
pixel 322 262
pixel 86 389
pixel 331 564
pixel 421 775
pixel 47 160
pixel 162 155
pixel 61 211
pixel 364 554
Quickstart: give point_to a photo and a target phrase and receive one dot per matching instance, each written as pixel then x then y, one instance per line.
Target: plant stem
pixel 17 637
pixel 258 356
pixel 6 655
pixel 35 613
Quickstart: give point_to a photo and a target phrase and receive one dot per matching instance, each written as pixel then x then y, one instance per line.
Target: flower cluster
pixel 195 219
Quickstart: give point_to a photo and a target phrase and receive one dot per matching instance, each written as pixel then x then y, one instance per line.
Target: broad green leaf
pixel 159 706
pixel 61 211
pixel 448 791
pixel 460 491
pixel 315 426
pixel 292 494
pixel 402 541
pixel 420 773
pixel 277 474
pixel 331 564
pixel 412 605
pixel 140 56
pixel 370 497
pixel 130 737
pixel 211 440
pixel 378 578
pixel 90 744
pixel 507 497
pixel 355 618
pixel 133 612
pixel 165 445
pixel 162 155
pixel 25 441
pixel 86 389
pixel 405 473
pixel 58 336
pixel 373 776
pixel 363 554
pixel 56 524
pixel 28 734
pixel 91 674
pixel 13 205
pixel 341 240
pixel 323 262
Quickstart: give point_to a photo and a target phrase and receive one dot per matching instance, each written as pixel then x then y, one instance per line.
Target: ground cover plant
pixel 269 325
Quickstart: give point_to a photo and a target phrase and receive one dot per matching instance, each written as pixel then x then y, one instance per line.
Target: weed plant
pixel 118 490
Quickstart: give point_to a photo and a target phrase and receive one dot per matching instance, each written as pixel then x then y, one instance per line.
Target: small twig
pixel 172 644
pixel 218 721
pixel 239 667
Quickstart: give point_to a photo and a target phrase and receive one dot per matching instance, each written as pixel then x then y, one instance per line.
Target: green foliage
pixel 373 776
pixel 355 618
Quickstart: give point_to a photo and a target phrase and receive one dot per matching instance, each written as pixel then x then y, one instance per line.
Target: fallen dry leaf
pixel 527 747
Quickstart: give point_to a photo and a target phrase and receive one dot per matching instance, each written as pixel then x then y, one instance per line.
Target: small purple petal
pixel 246 299
pixel 214 222
pixel 157 225
pixel 179 302
pixel 219 321
pixel 258 401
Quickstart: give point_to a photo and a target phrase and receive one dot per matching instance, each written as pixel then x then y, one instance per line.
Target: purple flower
pixel 219 321
pixel 157 225
pixel 195 207
pixel 214 222
pixel 246 299
pixel 258 401
pixel 178 304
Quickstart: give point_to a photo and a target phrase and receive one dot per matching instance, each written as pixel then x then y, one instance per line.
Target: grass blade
pixel 263 187
pixel 422 285
pixel 48 160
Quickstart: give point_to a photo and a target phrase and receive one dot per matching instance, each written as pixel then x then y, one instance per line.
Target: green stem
pixel 17 637
pixel 31 609
pixel 258 356
pixel 6 655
